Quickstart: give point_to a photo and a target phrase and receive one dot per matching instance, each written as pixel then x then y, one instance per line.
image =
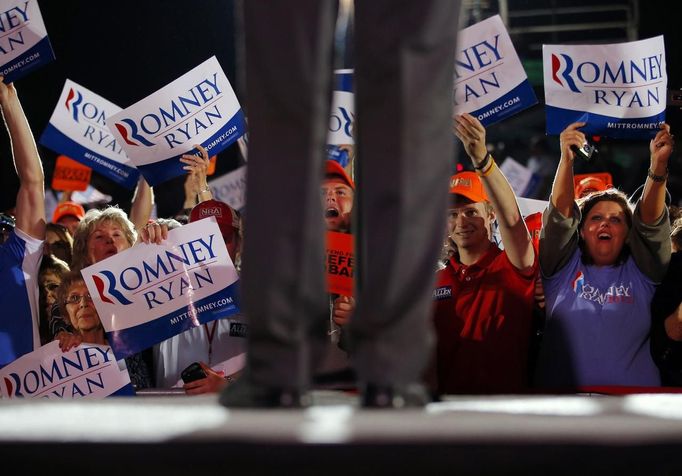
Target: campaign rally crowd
pixel 581 295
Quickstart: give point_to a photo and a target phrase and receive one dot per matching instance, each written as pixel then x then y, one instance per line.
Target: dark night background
pixel 126 50
pixel 123 51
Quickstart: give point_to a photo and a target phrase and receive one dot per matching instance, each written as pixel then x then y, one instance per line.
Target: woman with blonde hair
pixel 100 235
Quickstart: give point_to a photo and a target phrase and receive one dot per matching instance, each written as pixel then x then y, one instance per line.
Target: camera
pixel 585 152
pixel 193 372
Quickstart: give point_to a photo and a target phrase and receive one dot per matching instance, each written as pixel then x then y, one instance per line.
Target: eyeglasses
pixel 76 299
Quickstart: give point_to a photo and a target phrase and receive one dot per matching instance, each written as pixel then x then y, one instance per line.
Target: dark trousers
pixel 403 77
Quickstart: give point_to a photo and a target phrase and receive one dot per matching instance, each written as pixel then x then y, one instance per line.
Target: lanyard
pixel 210 334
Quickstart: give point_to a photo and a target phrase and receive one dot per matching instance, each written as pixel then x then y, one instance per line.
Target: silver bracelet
pixel 205 189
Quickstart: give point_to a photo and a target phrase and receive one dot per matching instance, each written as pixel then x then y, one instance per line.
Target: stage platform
pixel 179 435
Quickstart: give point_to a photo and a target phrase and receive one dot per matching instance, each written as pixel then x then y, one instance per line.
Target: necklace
pixel 210 334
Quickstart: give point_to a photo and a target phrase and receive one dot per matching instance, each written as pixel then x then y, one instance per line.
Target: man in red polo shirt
pixel 484 296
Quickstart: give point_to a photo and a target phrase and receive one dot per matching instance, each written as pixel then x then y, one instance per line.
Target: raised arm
pixel 143 202
pixel 653 196
pixel 515 237
pixel 30 204
pixel 563 191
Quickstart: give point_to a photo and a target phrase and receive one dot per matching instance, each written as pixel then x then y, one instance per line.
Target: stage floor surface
pixel 571 434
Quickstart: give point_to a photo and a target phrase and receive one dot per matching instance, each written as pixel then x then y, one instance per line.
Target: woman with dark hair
pixel 52 270
pixel 600 262
pixel 58 242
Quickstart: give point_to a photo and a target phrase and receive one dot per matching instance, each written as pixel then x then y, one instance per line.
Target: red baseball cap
pixel 534 224
pixel 227 218
pixel 590 184
pixel 334 168
pixel 68 208
pixel 468 185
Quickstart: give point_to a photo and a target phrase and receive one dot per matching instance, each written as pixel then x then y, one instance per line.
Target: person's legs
pixel 289 53
pixel 405 149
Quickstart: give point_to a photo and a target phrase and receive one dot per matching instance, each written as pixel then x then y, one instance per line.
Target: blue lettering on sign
pixel 473 59
pixel 345 122
pixel 182 108
pixel 102 138
pixel 627 99
pixel 9 20
pixel 478 56
pixel 614 81
pixel 162 268
pixel 96 130
pixel 62 370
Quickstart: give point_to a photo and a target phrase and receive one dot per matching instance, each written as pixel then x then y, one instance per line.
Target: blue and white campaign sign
pixel 200 107
pixel 490 82
pixel 148 293
pixel 87 371
pixel 343 109
pixel 231 188
pixel 78 129
pixel 619 90
pixel 521 179
pixel 24 45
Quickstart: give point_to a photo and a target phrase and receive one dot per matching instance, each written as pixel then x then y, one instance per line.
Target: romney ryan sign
pixel 200 107
pixel 619 90
pixel 24 45
pixel 149 292
pixel 78 129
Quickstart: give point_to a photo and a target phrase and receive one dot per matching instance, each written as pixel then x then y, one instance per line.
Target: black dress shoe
pixel 387 396
pixel 246 394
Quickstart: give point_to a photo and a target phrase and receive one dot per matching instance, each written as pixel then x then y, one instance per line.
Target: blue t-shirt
pixel 597 328
pixel 20 258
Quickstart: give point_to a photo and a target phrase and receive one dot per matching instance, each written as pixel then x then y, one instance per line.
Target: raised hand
pixel 571 136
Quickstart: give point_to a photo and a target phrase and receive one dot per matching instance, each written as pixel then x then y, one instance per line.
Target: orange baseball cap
pixel 334 168
pixel 68 208
pixel 468 185
pixel 590 184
